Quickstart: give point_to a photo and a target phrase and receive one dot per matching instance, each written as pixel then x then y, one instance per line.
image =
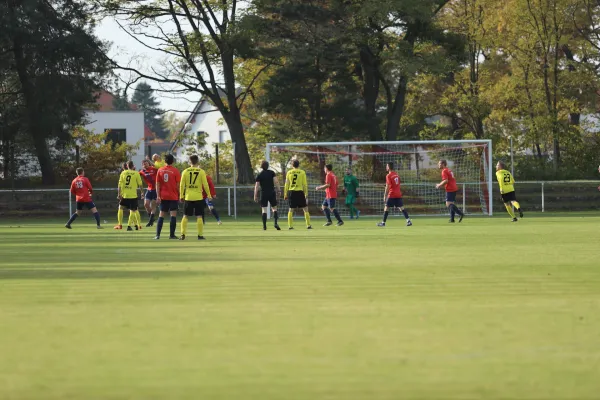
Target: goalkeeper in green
pixel 351 191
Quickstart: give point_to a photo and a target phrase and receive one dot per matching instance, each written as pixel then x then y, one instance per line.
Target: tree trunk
pixel 36 130
pixel 233 119
pixel 370 92
pixel 395 116
pixel 574 118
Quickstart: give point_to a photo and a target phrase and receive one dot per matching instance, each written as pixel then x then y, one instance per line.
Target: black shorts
pixel 268 198
pixel 297 199
pixel 131 204
pixel 194 208
pixel 508 197
pixel 396 202
pixel 169 205
pixel 87 204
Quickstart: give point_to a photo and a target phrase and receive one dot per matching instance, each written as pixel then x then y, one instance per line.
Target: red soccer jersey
pixel 331 191
pixel 449 175
pixel 211 186
pixel 169 178
pixel 82 189
pixel 393 182
pixel 149 175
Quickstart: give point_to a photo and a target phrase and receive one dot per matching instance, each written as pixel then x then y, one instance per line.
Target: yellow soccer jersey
pixel 159 164
pixel 129 182
pixel 506 181
pixel 295 181
pixel 193 180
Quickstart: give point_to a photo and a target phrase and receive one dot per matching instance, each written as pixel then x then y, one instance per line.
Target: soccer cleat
pixel 409 223
pixel 328 223
pixel 351 217
pixel 277 227
pixel 451 221
pixel 149 224
pixel 291 228
pixel 381 224
pixel 219 222
pixel 156 237
pixel 340 223
pixel 130 228
pixel 460 218
pixel 521 213
pixel 309 227
pixel 515 220
pixel 173 238
pixel 118 227
pixel 68 226
pixel 264 228
pixel 136 228
pixel 99 227
pixel 182 237
pixel 201 238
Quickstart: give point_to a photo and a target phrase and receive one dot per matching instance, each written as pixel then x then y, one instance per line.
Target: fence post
pixel 70 203
pixel 234 185
pixel 543 199
pixel 464 199
pixel 229 201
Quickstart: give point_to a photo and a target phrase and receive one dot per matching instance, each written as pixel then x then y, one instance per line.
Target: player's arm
pixel 256 185
pixel 206 187
pixel 442 183
pixel 305 186
pixel 140 184
pixel 356 185
pixel 385 193
pixel 276 183
pixel 213 191
pixel 286 185
pixel 182 184
pixel 119 186
pixel 158 178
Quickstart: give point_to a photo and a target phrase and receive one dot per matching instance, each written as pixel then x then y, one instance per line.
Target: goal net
pixel 415 162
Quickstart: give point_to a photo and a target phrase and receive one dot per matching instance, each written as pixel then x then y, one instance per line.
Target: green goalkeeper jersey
pixel 351 184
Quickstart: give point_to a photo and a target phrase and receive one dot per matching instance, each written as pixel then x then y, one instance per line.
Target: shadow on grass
pixel 39 274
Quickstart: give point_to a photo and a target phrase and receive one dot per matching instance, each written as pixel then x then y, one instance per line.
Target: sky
pixel 125 49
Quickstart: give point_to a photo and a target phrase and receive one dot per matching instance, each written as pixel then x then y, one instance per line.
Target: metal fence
pixel 542 196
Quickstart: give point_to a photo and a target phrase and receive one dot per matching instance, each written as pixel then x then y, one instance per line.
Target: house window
pixel 116 136
pixel 223 136
pixel 200 139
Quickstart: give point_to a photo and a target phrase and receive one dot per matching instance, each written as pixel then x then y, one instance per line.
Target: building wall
pixel 131 121
pixel 210 121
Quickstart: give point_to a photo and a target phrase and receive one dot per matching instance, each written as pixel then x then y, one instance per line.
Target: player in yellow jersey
pixel 158 163
pixel 296 188
pixel 507 190
pixel 193 180
pixel 129 183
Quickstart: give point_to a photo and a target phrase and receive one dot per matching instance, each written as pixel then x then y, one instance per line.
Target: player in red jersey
pixel 148 173
pixel 449 182
pixel 330 187
pixel 392 197
pixel 82 189
pixel 209 203
pixel 167 189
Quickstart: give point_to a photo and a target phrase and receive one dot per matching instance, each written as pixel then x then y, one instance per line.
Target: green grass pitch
pixel 486 309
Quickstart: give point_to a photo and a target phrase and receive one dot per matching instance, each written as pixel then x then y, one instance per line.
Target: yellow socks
pixel 200 225
pixel 184 223
pixel 131 218
pixel 290 218
pixel 517 205
pixel 510 211
pixel 307 218
pixel 120 217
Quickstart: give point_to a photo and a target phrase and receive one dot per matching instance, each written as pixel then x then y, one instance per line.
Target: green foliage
pixel 143 97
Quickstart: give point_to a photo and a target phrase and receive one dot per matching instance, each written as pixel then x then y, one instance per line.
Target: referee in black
pixel 267 181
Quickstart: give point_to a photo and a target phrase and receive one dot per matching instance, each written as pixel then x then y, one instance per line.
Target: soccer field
pixel 485 309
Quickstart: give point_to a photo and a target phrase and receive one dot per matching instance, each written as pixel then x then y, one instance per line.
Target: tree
pixel 143 97
pixel 120 102
pixel 58 65
pixel 201 40
pixel 173 125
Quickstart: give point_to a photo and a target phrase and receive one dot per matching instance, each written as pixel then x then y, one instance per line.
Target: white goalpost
pixel 416 162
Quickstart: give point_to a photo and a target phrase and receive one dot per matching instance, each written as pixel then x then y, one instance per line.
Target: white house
pixel 207 122
pixel 122 126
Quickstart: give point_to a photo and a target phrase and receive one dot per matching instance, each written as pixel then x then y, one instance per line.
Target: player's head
pixel 125 167
pixel 389 166
pixel 80 171
pixel 328 167
pixel 194 160
pixel 295 163
pixel 169 159
pixel 146 163
pixel 264 165
pixel 442 164
pixel 500 166
pixel 348 171
pixel 155 157
pixel 130 165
